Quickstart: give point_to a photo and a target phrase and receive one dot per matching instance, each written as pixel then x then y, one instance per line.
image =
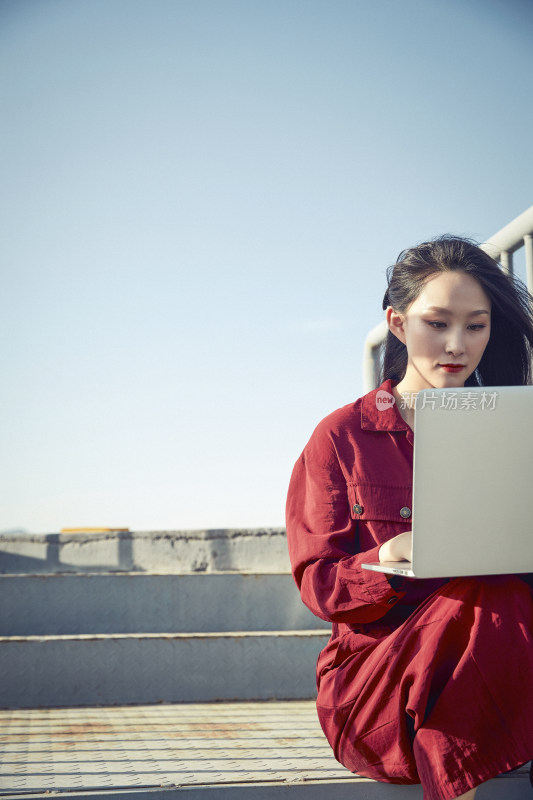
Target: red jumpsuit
pixel 422 681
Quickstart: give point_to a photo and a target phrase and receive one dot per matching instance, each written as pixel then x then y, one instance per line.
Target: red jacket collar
pixel 379 411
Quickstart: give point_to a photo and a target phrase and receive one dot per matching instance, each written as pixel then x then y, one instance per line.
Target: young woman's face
pixel 445 330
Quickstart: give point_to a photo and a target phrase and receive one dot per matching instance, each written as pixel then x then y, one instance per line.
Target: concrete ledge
pixel 349 789
pixel 137 602
pixel 153 668
pixel 174 552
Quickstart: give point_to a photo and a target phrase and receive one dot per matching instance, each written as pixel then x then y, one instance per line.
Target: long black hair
pixel 507 357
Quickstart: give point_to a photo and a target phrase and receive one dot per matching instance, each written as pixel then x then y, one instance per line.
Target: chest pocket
pixel 379 503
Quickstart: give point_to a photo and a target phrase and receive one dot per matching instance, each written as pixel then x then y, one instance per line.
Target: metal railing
pixel 501 247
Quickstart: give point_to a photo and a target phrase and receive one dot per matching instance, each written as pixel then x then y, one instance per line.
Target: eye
pixel 477 326
pixel 436 324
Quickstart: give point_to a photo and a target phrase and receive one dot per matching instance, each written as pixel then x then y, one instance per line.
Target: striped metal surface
pixel 264 751
pixel 162 746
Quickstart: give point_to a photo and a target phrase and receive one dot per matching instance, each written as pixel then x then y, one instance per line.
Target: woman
pixel 422 681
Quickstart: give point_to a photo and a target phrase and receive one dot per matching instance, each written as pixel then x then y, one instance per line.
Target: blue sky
pixel 199 202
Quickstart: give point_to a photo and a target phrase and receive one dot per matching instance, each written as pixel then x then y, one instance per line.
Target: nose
pixel 455 342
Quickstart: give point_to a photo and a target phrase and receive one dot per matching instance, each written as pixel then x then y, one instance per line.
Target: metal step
pixel 47 605
pixel 223 751
pixel 152 668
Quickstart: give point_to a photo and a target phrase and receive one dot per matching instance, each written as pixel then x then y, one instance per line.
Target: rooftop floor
pixel 218 750
pixel 151 747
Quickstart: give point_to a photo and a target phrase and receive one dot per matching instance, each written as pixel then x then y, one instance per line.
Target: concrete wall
pixel 173 552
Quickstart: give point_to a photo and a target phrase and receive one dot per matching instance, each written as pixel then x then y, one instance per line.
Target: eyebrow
pixel 447 311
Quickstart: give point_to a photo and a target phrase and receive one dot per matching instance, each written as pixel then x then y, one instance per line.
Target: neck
pixel 405 402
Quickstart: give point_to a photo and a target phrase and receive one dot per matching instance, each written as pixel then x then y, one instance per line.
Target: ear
pixel 396 323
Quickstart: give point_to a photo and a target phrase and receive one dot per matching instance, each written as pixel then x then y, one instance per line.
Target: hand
pixel 399 548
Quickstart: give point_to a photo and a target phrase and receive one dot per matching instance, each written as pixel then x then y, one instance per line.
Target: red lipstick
pixel 452 367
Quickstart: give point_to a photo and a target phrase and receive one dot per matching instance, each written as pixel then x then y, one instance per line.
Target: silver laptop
pixel 472 484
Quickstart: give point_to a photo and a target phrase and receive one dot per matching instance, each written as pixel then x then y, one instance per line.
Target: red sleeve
pixel 323 542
